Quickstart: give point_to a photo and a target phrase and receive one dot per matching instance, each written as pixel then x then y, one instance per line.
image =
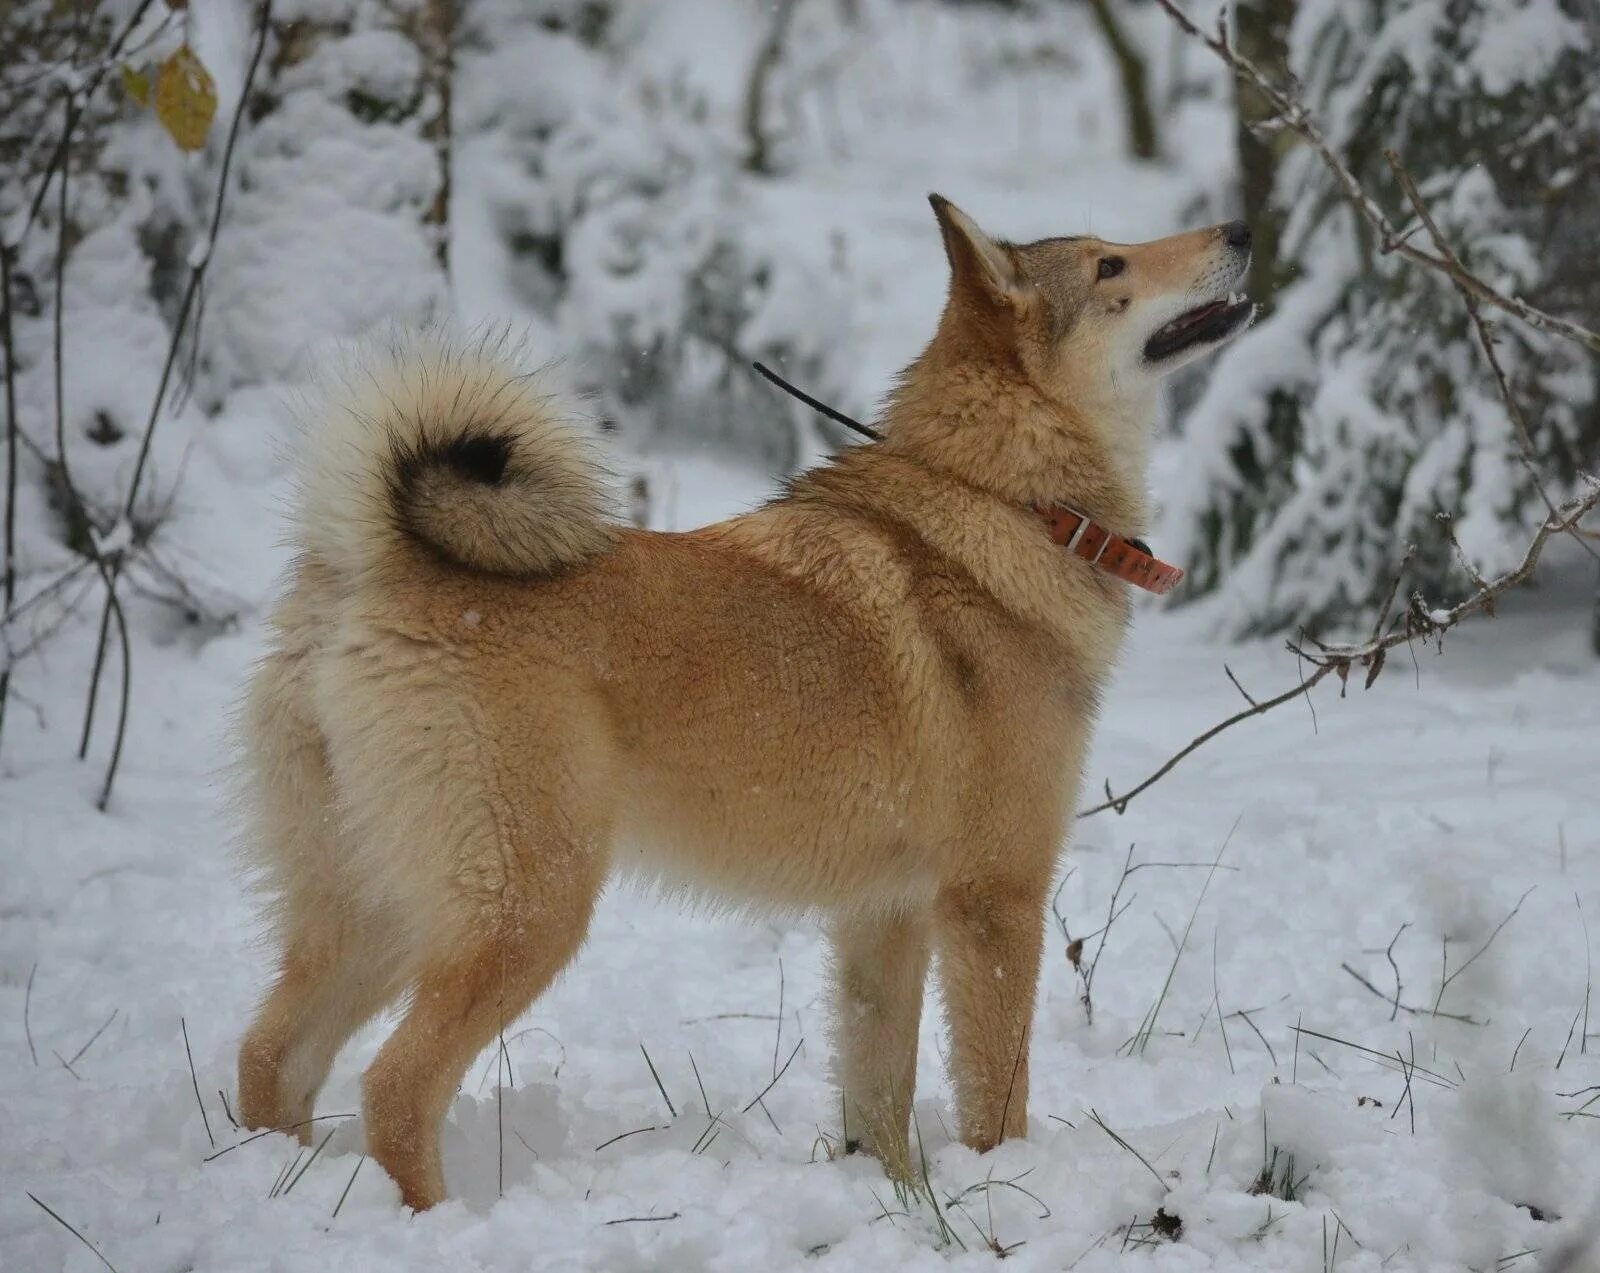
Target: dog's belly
pixel 802 844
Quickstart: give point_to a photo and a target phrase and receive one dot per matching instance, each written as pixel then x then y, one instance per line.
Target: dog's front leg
pixel 881 963
pixel 990 937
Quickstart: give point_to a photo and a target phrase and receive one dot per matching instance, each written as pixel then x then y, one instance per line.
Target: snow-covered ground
pixel 1435 801
pixel 1448 817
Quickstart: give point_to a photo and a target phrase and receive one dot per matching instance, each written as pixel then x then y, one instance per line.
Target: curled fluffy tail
pixel 458 449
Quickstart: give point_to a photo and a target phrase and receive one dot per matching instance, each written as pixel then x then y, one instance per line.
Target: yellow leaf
pixel 186 99
pixel 137 84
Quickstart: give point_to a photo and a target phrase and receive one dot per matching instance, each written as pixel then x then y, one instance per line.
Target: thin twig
pixel 775 1078
pixel 1514 412
pixel 197 273
pixel 347 1186
pixel 271 1131
pixel 1444 983
pixel 56 1216
pixel 193 1078
pixel 1398 1007
pixel 1419 620
pixel 1292 113
pixel 321 1145
pixel 27 1004
pixel 104 1025
pixel 660 1086
pixel 1094 1117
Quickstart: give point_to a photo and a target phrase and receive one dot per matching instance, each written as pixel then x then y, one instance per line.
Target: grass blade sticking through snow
pixel 1141 1039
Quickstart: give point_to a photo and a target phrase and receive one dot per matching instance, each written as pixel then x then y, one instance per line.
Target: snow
pixel 1433 801
pixel 1415 817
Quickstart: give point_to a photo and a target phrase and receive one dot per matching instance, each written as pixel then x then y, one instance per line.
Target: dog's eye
pixel 1111 266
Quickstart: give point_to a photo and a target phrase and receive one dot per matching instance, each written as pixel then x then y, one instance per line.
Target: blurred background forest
pixel 199 197
pixel 668 189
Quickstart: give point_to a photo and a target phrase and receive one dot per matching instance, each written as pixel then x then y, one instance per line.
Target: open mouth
pixel 1205 325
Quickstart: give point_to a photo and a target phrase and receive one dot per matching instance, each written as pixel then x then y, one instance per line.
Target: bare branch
pixel 197 273
pixel 1419 619
pixel 1293 115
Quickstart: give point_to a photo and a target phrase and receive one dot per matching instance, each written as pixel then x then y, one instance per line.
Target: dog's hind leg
pixel 507 912
pixel 880 965
pixel 337 965
pixel 477 983
pixel 991 936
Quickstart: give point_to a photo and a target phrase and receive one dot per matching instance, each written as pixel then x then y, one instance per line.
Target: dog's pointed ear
pixel 976 260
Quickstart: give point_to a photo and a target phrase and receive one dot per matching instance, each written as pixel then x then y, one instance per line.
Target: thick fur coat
pixel 870 698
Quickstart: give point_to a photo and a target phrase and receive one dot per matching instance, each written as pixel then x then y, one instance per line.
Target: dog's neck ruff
pixel 1125 558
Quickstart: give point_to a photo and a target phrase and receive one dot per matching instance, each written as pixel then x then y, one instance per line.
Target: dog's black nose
pixel 1237 233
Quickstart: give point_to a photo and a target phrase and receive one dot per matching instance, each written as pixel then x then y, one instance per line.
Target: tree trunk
pixel 1135 89
pixel 435 36
pixel 1261 29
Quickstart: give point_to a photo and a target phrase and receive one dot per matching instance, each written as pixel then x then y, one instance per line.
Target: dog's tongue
pixel 1197 315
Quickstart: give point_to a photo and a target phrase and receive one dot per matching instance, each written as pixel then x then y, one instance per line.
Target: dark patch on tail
pixel 473 457
pixel 476 458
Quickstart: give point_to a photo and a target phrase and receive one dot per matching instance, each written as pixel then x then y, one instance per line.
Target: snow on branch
pixel 1291 113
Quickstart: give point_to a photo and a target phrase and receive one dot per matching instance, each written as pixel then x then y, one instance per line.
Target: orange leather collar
pixel 1125 558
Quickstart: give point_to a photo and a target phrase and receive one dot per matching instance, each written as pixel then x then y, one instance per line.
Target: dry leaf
pixel 186 99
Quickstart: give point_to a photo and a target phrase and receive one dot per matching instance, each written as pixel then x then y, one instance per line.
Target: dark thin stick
pixel 644 1219
pixel 103 1027
pixel 1514 413
pixel 1099 1122
pixel 1250 1021
pixel 184 1026
pixel 321 1145
pixel 1588 974
pixel 777 1037
pixel 284 1174
pixel 1383 1058
pixel 114 608
pixel 1216 1003
pixel 705 1101
pixel 8 583
pixel 660 1087
pixel 1016 1065
pixel 27 1003
pixel 1444 984
pixel 1419 619
pixel 1571 1030
pixel 196 277
pixel 637 1131
pixel 1517 1051
pixel 1389 955
pixel 58 156
pixel 822 408
pixel 1406 1097
pixel 1462 1017
pixel 56 1216
pixel 227 1109
pixel 75 499
pixel 1239 687
pixel 272 1131
pixel 775 1078
pixel 347 1185
pixel 1295 116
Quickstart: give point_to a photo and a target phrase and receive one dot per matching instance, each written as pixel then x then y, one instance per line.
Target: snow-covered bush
pixel 1331 437
pixel 327 233
pixel 622 189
